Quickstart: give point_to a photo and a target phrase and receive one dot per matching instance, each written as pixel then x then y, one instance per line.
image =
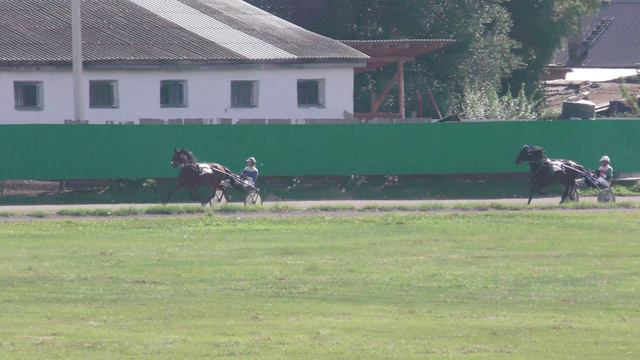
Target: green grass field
pixel 489 285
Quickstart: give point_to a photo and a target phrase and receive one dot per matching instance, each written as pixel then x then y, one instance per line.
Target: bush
pixel 484 103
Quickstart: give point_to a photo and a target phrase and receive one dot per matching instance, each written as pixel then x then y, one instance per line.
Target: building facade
pixel 44 95
pixel 146 62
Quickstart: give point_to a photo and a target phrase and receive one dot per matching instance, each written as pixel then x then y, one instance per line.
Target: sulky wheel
pixel 220 197
pixel 606 195
pixel 253 198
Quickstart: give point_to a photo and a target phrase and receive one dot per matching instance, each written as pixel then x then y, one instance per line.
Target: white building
pixel 169 60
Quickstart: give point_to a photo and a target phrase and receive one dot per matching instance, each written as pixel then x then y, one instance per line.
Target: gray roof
pixel 151 31
pixel 610 40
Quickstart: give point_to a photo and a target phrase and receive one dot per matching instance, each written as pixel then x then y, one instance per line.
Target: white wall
pixel 209 94
pixel 592 74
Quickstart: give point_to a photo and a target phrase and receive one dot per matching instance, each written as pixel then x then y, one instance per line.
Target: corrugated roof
pixel 212 31
pixel 610 40
pixel 251 20
pixel 209 28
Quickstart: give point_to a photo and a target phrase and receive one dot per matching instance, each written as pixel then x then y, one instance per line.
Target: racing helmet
pixel 605 158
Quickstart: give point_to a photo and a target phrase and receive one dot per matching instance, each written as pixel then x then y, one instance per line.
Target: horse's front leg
pixel 565 194
pixel 532 189
pixel 210 198
pixel 573 192
pixel 178 186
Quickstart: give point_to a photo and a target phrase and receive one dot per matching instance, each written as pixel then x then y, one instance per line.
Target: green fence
pixel 116 151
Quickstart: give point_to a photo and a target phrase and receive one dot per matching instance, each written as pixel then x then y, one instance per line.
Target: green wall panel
pixel 116 151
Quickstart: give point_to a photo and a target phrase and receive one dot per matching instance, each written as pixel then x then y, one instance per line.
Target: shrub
pixel 485 103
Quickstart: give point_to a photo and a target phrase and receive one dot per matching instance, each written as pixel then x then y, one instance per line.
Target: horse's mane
pixel 191 156
pixel 534 151
pixel 537 149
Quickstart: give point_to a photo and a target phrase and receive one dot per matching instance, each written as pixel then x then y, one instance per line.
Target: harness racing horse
pixel 194 175
pixel 546 172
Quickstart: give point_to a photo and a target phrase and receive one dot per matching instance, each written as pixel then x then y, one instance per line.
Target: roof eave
pixel 355 61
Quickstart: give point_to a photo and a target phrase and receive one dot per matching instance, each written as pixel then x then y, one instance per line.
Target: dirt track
pixel 309 204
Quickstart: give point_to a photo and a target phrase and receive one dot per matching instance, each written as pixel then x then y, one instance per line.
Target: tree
pixel 540 26
pixel 482 55
pixel 500 44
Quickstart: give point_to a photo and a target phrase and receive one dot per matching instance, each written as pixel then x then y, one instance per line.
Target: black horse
pixel 194 175
pixel 546 172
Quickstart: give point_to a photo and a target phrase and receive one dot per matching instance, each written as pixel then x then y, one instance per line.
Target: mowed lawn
pixel 493 285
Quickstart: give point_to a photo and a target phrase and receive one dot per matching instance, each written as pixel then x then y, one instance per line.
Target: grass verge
pixel 175 210
pixel 99 212
pixel 37 214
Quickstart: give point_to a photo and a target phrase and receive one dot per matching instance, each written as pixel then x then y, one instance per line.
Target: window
pixel 310 93
pixel 173 93
pixel 28 95
pixel 103 94
pixel 244 94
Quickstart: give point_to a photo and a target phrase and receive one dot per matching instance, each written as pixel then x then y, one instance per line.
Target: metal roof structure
pixel 153 31
pixel 610 40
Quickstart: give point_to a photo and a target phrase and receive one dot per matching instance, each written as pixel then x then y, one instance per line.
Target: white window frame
pixel 114 94
pixel 255 94
pixel 39 95
pixel 185 93
pixel 320 83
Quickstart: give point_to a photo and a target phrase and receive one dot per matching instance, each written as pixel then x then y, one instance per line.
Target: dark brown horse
pixel 546 172
pixel 194 175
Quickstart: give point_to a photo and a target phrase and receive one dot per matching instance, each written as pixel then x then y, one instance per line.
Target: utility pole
pixel 76 50
pixel 401 100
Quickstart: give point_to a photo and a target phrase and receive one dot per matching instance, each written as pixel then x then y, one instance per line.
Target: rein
pixel 186 164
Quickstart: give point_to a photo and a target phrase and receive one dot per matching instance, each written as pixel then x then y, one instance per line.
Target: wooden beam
pixel 389 60
pixel 434 104
pixel 379 100
pixel 382 62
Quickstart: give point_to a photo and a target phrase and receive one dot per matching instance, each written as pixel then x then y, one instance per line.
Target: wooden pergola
pixel 388 53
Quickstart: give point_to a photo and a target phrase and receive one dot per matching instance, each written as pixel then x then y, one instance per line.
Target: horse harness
pixel 549 164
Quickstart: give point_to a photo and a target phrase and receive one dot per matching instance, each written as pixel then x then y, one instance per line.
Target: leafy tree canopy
pixel 500 44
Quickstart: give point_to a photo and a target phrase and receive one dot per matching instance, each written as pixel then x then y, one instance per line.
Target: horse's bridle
pixel 184 160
